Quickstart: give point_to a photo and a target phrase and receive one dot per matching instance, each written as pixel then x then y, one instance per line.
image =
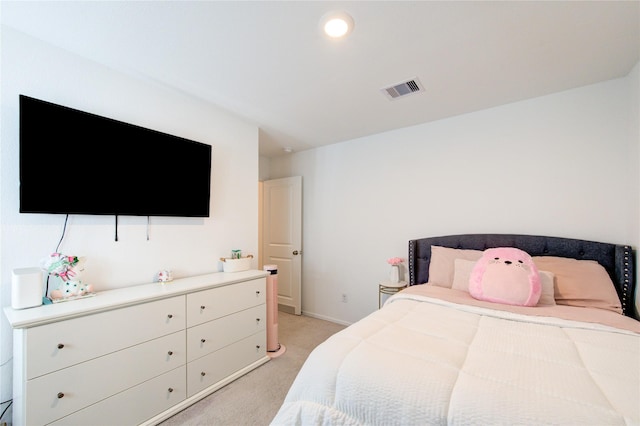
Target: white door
pixel 282 237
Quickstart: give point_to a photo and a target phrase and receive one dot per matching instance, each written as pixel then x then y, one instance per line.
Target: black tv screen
pixel 74 162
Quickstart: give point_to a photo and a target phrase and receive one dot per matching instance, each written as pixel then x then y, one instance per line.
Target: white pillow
pixel 462 273
pixel 547 281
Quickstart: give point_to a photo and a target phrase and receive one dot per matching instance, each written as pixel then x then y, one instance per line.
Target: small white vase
pixel 394 274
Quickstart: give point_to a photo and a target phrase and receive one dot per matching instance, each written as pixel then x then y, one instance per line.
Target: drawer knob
pixel 257 292
pixel 170 352
pixel 60 395
pixel 203 374
pixel 257 346
pixel 203 340
pixel 257 319
pixel 60 346
pixel 202 307
pixel 169 316
pixel 170 389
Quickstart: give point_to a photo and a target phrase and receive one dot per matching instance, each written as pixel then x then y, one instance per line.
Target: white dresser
pixel 136 355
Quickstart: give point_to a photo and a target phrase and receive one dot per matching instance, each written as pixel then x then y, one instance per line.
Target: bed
pixel 433 354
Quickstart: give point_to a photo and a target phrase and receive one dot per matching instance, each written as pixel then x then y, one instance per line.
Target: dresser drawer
pixel 54 346
pixel 134 405
pixel 217 302
pixel 216 366
pixel 63 392
pixel 213 335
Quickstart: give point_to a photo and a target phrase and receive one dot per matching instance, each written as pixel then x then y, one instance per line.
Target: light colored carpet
pixel 255 398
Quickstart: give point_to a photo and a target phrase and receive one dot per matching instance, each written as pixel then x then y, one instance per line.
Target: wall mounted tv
pixel 74 162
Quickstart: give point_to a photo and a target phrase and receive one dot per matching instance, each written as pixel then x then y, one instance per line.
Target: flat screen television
pixel 74 162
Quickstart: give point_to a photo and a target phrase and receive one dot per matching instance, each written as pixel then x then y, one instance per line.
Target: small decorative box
pixel 236 265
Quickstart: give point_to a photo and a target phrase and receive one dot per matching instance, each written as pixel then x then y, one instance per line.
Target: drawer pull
pixel 60 346
pixel 170 352
pixel 257 292
pixel 169 316
pixel 60 395
pixel 257 346
pixel 170 389
pixel 202 307
pixel 203 374
pixel 203 340
pixel 257 319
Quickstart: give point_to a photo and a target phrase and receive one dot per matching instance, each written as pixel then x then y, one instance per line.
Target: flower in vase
pixel 394 261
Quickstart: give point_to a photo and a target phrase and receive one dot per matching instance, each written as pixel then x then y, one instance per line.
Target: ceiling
pixel 267 61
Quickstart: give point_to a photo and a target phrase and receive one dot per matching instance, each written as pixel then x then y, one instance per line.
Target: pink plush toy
pixel 505 275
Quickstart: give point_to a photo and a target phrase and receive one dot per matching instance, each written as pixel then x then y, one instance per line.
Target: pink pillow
pixel 583 283
pixel 441 267
pixel 506 275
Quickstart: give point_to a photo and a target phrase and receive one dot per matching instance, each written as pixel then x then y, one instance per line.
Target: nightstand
pixel 389 288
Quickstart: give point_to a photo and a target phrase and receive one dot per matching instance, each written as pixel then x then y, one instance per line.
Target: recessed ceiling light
pixel 336 24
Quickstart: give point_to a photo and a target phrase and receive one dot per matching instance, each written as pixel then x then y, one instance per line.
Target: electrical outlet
pixel 344 298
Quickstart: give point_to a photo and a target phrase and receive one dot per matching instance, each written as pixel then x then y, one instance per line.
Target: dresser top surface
pixel 118 298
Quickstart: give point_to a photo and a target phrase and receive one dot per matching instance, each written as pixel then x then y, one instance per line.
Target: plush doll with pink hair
pixel 505 275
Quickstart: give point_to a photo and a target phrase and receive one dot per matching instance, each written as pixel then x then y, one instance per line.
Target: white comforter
pixel 424 361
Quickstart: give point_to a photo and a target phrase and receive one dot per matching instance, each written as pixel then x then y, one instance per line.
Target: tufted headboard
pixel 618 260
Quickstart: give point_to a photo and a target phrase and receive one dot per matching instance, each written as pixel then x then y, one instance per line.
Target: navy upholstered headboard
pixel 618 260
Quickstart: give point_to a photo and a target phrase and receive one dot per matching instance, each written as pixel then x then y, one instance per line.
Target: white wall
pixel 634 123
pixel 563 165
pixel 188 246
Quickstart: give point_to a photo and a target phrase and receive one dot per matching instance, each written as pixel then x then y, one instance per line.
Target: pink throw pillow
pixel 506 275
pixel 583 283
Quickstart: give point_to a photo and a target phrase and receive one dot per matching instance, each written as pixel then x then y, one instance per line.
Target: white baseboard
pixel 326 318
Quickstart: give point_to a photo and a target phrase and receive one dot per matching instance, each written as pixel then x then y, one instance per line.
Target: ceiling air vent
pixel 403 89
